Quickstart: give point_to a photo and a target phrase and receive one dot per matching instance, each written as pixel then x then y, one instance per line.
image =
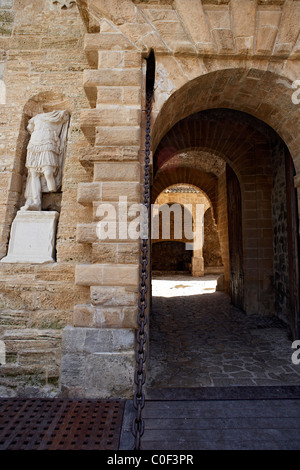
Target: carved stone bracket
pixel 64 3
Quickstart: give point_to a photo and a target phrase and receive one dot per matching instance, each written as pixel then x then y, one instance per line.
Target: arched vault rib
pixel 262 94
pixel 206 182
pixel 229 135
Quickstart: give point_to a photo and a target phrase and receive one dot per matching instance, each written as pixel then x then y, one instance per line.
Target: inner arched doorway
pixel 181 213
pixel 246 171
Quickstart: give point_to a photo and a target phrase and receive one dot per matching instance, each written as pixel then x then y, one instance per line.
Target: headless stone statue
pixel 45 156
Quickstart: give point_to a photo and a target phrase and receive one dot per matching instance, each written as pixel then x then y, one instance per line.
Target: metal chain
pixel 140 375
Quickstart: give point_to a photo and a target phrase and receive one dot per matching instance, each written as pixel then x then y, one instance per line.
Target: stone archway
pixel 264 94
pixel 247 146
pixel 249 200
pixel 248 197
pixel 233 61
pixel 194 214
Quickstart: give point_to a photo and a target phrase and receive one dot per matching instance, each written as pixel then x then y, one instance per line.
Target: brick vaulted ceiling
pixel 196 149
pixel 204 139
pixel 259 93
pixel 197 159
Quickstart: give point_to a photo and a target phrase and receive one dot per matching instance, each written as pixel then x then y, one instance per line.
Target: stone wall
pixel 171 256
pixel 279 212
pixel 113 125
pixel 6 17
pixel 211 247
pixel 223 228
pixel 44 63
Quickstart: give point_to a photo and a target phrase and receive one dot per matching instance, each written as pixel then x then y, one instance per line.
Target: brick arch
pixel 259 93
pixel 246 144
pixel 206 182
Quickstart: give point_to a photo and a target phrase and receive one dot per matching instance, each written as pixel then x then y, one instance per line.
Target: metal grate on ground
pixel 60 424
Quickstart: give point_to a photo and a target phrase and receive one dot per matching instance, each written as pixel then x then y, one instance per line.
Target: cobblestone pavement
pixel 197 339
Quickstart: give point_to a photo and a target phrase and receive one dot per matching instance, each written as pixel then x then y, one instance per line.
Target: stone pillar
pixel 197 266
pixel 198 228
pixel 99 349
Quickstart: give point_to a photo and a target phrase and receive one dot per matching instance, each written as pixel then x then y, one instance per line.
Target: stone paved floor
pixel 197 339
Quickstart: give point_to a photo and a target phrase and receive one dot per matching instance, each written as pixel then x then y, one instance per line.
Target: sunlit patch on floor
pixel 167 285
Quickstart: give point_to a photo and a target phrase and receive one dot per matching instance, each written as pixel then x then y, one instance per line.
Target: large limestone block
pixel 113 296
pixel 98 363
pixel 193 17
pixel 32 237
pixel 97 340
pixel 117 135
pixel 111 191
pixel 114 77
pixel 268 22
pixel 89 192
pixel 105 317
pixel 244 24
pixel 288 29
pixel 198 266
pixel 110 116
pixel 107 275
pixel 119 11
pixel 94 42
pixel 108 191
pixel 116 171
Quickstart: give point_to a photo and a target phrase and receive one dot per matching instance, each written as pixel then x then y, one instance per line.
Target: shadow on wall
pixel 171 256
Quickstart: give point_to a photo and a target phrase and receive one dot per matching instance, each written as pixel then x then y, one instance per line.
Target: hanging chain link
pixel 140 375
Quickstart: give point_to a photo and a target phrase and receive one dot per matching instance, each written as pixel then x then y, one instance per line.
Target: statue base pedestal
pixel 32 238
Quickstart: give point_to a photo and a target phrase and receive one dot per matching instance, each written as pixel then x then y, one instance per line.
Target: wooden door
pixel 293 245
pixel 235 237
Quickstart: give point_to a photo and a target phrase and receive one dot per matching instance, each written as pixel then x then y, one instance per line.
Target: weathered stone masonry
pixel 89 58
pixel 44 62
